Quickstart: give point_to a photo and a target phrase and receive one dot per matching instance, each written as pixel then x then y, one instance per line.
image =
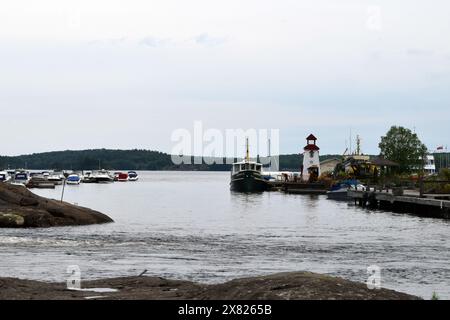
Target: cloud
pixel 110 41
pixel 419 52
pixel 153 42
pixel 207 40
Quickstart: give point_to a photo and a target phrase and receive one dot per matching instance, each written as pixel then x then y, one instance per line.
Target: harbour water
pixel 188 225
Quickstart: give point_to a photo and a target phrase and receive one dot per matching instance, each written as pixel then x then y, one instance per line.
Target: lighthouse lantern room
pixel 311 161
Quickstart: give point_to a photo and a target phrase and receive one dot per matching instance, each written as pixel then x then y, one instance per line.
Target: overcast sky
pixel 125 74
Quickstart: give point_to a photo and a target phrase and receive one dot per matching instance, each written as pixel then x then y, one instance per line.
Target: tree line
pixel 136 159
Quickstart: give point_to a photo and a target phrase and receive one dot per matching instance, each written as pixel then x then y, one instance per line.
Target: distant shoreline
pixel 139 160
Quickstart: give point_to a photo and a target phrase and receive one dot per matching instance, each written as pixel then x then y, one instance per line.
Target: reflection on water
pixel 188 225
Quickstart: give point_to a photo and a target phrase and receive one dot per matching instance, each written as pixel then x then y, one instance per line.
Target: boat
pixel 21 177
pixel 339 191
pixel 122 177
pixel 40 182
pixel 73 179
pixel 102 176
pixel 246 176
pixel 132 176
pixel 4 176
pixel 56 178
pixel 88 177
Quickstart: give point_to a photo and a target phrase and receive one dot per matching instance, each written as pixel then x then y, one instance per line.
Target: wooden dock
pixel 298 187
pixel 429 205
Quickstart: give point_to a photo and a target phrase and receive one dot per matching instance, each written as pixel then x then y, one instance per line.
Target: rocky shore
pixel 282 286
pixel 20 208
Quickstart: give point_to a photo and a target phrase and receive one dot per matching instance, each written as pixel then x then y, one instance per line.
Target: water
pixel 188 225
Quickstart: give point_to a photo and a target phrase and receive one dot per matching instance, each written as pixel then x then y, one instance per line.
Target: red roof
pixel 311 137
pixel 311 147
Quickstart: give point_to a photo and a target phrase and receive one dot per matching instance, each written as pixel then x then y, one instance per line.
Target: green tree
pixel 403 146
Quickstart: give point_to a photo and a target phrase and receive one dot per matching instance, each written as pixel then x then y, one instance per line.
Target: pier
pixel 425 205
pixel 298 187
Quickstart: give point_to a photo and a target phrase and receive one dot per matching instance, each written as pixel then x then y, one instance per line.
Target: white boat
pixel 102 176
pixel 87 177
pixel 21 177
pixel 4 176
pixel 56 178
pixel 132 176
pixel 73 179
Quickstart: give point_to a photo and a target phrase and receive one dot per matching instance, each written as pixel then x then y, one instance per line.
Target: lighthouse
pixel 311 161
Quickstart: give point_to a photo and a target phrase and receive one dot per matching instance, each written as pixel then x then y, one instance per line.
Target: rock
pixel 11 220
pixel 282 286
pixel 20 208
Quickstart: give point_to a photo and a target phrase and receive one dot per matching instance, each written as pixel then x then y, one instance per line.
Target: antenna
pixel 351 138
pixel 358 145
pixel 247 155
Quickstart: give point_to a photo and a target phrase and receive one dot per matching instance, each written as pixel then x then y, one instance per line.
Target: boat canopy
pixel 73 177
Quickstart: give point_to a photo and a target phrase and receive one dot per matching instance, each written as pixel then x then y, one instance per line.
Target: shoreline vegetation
pixel 281 286
pixel 135 159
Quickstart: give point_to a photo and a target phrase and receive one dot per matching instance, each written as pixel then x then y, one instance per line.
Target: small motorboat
pixel 122 177
pixel 73 179
pixel 103 176
pixel 132 176
pixel 339 191
pixel 88 177
pixel 4 176
pixel 56 178
pixel 21 178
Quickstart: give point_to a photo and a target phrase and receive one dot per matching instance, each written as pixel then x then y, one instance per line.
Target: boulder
pixel 20 208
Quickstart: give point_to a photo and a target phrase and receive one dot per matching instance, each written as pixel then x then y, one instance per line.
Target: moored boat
pixel 87 177
pixel 56 178
pixel 122 177
pixel 4 176
pixel 339 191
pixel 21 177
pixel 102 176
pixel 132 176
pixel 73 179
pixel 246 176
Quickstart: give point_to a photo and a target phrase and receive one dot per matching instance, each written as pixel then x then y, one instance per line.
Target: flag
pixel 440 148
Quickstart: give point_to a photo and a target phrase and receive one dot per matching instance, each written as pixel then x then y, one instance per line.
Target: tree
pixel 403 146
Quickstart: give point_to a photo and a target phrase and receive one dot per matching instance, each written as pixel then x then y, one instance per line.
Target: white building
pixel 430 165
pixel 311 161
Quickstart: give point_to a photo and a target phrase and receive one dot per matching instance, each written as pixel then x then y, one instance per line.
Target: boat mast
pixel 247 155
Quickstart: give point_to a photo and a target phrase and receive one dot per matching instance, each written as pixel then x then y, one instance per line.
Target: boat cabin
pixel 3 176
pixel 246 166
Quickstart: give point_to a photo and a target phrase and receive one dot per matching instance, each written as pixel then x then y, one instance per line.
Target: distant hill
pixel 123 160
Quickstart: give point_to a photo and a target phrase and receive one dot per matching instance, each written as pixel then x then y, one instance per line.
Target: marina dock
pixel 298 187
pixel 436 206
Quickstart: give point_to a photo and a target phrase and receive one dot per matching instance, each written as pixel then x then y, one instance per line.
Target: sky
pixel 126 74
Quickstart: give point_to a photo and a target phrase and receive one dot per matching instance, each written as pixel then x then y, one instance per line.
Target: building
pixel 430 165
pixel 328 165
pixel 311 161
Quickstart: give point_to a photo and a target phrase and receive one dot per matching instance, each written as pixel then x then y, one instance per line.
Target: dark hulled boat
pixel 246 176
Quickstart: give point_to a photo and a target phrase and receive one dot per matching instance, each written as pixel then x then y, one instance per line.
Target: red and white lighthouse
pixel 311 160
